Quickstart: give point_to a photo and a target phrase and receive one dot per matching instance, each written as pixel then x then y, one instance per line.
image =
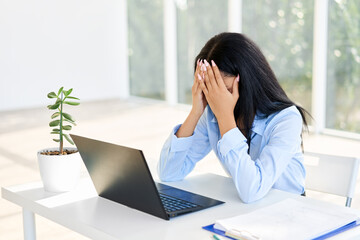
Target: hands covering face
pixel 198 98
pixel 222 102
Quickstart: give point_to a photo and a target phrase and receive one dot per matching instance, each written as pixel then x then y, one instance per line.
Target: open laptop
pixel 121 174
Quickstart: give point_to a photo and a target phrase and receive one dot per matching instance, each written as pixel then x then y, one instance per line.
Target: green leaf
pixel 56 140
pixel 67 93
pixel 72 103
pixel 66 120
pixel 54 123
pixel 52 107
pixel 68 139
pixel 56 130
pixel 69 117
pixel 70 97
pixel 60 90
pixel 54 133
pixel 58 101
pixel 67 127
pixel 55 115
pixel 55 105
pixel 52 95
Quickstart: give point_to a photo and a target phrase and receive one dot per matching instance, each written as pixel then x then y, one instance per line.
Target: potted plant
pixel 60 167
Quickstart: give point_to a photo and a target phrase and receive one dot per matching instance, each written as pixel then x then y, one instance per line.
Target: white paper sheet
pixel 289 219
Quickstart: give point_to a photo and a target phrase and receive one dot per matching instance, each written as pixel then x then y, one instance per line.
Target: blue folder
pixel 339 230
pixel 324 236
pixel 212 229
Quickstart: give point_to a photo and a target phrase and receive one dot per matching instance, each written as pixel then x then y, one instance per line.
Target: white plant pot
pixel 59 173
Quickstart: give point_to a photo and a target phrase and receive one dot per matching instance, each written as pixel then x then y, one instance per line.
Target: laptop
pixel 121 174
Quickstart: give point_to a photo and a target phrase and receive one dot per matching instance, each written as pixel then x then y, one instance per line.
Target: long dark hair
pixel 259 89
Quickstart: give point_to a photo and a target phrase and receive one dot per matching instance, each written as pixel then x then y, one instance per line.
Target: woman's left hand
pixel 221 101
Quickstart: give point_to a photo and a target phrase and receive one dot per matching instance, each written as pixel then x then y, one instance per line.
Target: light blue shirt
pixel 275 159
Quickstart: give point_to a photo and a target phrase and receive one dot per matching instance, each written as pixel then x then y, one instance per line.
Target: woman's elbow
pixel 162 173
pixel 165 170
pixel 169 176
pixel 164 176
pixel 248 198
pixel 248 194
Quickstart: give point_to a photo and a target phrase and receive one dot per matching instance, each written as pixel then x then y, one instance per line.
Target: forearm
pixel 254 178
pixel 179 155
pixel 226 123
pixel 173 156
pixel 250 181
pixel 188 127
pixel 172 166
pixel 247 175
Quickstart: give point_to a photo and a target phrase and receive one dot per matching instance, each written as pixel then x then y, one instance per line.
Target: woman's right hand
pixel 198 98
pixel 198 105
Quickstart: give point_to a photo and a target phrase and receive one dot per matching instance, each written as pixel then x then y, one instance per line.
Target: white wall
pixel 46 44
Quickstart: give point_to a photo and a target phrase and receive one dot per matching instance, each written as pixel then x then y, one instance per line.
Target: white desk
pixel 97 218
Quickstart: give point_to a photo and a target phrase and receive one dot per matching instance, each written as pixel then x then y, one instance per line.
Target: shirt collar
pixel 259 124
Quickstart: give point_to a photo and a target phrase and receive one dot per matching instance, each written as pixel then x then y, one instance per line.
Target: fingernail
pixel 197 62
pixel 203 67
pixel 199 77
pixel 237 78
pixel 213 63
pixel 206 63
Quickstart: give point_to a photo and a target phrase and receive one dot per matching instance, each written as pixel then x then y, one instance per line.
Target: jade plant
pixel 61 121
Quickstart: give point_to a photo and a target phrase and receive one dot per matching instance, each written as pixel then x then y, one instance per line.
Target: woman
pixel 240 111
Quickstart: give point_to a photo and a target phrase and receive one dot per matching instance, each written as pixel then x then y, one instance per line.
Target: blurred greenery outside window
pixel 283 29
pixel 146 51
pixel 343 66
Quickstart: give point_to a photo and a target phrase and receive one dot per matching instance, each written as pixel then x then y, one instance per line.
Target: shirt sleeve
pixel 254 178
pixel 179 155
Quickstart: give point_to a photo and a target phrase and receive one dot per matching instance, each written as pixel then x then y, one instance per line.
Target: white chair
pixel 331 174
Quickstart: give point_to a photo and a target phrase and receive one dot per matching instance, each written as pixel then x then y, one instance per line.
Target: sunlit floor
pixel 139 123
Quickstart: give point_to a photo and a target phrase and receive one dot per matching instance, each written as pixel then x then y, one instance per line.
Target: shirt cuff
pixel 180 144
pixel 230 140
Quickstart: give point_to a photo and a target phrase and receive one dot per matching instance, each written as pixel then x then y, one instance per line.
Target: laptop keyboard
pixel 174 204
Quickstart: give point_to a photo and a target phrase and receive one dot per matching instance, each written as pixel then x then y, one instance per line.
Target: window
pixel 146 51
pixel 195 27
pixel 283 29
pixel 284 32
pixel 343 67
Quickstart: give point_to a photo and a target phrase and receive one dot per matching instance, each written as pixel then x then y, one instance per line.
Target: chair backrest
pixel 331 174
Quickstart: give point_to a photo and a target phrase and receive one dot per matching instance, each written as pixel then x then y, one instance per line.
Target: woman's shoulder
pixel 287 114
pixel 288 119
